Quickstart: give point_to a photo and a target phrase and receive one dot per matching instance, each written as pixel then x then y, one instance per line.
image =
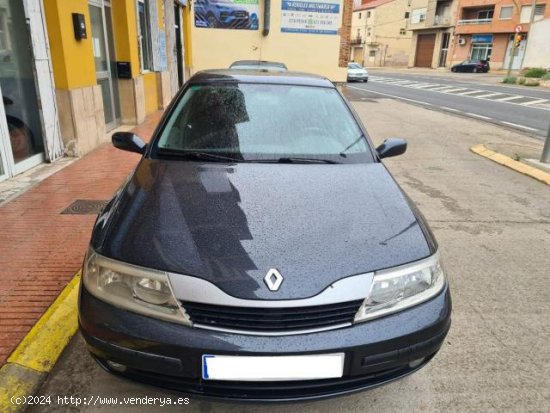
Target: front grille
pixel 272 320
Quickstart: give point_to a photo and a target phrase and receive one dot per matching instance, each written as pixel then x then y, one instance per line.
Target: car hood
pixel 358 71
pixel 230 224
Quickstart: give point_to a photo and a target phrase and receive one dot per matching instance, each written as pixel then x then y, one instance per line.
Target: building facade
pixel 485 29
pixel 379 33
pixel 310 36
pixel 431 23
pixel 71 71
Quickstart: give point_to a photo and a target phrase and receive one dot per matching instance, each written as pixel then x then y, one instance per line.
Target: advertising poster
pixel 305 16
pixel 227 14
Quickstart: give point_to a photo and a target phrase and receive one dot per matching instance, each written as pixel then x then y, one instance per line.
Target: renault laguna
pixel 261 250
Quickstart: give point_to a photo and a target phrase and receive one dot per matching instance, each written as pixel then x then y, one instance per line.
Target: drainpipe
pixel 267 17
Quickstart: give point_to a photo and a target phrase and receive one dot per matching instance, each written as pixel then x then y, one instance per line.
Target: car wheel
pixel 474 70
pixel 454 70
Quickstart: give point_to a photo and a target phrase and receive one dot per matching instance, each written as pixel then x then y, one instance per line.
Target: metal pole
pixel 545 158
pixel 531 21
pixel 512 53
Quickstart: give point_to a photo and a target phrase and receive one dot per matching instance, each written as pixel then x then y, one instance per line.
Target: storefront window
pixel 145 35
pixel 17 83
pixel 481 51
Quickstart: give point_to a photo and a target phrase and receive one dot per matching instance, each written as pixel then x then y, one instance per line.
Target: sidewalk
pixel 40 248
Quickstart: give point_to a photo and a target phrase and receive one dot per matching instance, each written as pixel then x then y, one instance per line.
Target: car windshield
pixel 262 122
pixel 354 66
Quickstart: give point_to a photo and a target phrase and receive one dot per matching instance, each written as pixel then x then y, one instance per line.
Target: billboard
pixel 305 16
pixel 227 14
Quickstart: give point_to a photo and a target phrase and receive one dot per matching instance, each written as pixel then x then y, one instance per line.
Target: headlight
pixel 402 287
pixel 141 290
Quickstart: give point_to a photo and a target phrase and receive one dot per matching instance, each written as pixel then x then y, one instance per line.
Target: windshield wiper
pixel 355 142
pixel 293 159
pixel 198 155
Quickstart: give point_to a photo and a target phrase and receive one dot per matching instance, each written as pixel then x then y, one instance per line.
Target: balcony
pixel 357 41
pixel 442 20
pixel 464 22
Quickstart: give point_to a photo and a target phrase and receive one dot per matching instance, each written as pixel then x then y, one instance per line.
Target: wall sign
pixel 227 14
pixel 307 16
pixel 482 38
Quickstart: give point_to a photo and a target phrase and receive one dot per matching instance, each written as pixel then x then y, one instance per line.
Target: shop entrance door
pixel 105 61
pixel 21 134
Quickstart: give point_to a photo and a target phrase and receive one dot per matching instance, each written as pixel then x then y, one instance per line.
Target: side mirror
pixel 127 141
pixel 392 147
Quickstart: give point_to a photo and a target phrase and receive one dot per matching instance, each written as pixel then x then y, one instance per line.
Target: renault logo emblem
pixel 273 279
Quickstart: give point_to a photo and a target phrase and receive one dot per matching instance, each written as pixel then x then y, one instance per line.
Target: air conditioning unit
pixel 461 41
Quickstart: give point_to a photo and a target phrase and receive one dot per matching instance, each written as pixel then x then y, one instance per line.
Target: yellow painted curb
pixel 517 166
pixel 39 350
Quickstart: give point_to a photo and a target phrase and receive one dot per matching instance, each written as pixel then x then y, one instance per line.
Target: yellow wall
pixel 125 33
pixel 188 24
pixel 151 92
pixel 73 61
pixel 314 53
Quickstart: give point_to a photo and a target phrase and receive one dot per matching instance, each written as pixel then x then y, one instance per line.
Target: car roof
pixel 257 63
pixel 260 76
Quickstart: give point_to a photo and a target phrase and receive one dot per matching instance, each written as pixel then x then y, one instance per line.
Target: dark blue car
pixel 223 14
pixel 261 250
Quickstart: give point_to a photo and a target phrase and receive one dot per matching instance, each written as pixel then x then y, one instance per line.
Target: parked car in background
pixel 261 250
pixel 357 73
pixel 262 65
pixel 473 66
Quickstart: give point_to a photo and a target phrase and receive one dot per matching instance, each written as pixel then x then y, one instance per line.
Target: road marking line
pixel 451 109
pixel 519 126
pixel 437 89
pixel 488 95
pixel 475 115
pixel 445 87
pixel 392 96
pixel 508 98
pixel 453 90
pixel 469 92
pixel 424 85
pixel 534 102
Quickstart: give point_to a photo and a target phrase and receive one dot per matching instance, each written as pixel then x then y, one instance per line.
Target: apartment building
pixel 431 24
pixel 379 35
pixel 485 29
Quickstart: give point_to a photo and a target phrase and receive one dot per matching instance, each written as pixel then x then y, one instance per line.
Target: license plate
pixel 272 368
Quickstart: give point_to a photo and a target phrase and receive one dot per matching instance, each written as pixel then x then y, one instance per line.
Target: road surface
pixel 521 108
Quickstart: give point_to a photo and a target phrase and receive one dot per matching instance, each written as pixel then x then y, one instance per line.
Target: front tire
pixel 454 70
pixel 474 70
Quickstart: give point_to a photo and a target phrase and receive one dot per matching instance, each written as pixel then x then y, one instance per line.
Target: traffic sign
pixel 519 28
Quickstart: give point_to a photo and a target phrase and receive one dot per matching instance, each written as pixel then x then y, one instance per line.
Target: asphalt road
pixel 521 108
pixel 493 228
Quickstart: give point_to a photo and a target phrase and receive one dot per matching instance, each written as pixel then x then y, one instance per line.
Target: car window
pixel 260 121
pixel 354 66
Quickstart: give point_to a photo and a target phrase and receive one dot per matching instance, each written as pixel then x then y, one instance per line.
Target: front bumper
pixel 358 78
pixel 169 355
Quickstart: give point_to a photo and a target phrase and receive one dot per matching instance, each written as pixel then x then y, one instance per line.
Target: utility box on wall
pixel 79 26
